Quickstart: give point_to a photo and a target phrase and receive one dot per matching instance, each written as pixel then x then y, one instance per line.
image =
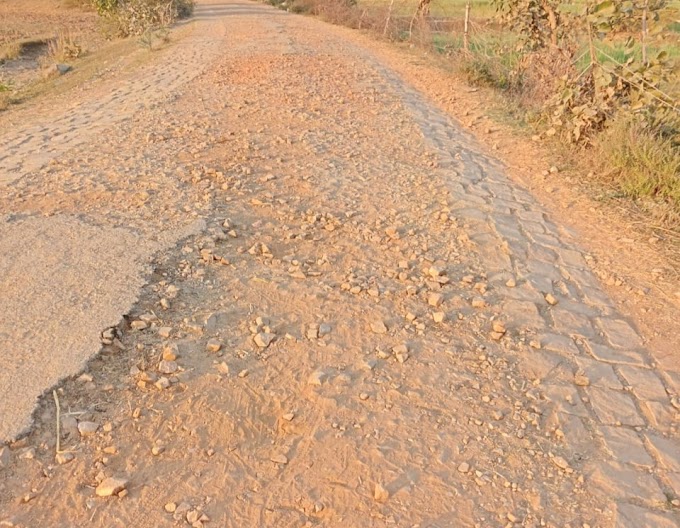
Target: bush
pixel 135 17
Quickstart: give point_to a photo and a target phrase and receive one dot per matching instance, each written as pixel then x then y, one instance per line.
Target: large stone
pixel 599 374
pixel 614 408
pixel 631 516
pixel 609 355
pixel 625 446
pixel 111 486
pixel 618 482
pixel 645 383
pixel 566 399
pixel 619 333
pixel 667 450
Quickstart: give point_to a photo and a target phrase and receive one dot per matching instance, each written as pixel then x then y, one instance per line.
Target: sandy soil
pixel 375 326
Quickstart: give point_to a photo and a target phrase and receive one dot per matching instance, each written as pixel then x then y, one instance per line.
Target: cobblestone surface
pixel 527 397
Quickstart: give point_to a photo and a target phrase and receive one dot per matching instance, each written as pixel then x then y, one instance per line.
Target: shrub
pixel 135 17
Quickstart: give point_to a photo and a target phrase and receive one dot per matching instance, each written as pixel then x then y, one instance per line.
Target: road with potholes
pixel 338 310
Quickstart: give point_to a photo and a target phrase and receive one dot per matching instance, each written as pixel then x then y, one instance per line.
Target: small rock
pixel 64 458
pixel 111 486
pixel 87 428
pixel 167 367
pixel 560 462
pixel 213 345
pixel 380 494
pixel 317 378
pixel 62 68
pixel 439 317
pixel 363 396
pixel 288 417
pixel 139 325
pixel 435 299
pixel 244 373
pixel 162 383
pixel 581 380
pixel 264 339
pixel 5 457
pixel 401 353
pixel 170 352
pixel 170 507
pixel 511 283
pixel 165 331
pixel 312 331
pixel 379 327
pixel 478 302
pixel 464 467
pixel 279 459
pixel 550 299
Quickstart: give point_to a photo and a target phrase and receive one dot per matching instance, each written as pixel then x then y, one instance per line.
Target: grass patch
pixel 640 162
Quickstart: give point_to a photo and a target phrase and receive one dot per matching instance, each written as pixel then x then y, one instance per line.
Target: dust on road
pixel 375 327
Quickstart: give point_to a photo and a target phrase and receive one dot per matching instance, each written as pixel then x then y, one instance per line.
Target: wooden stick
pixel 56 402
pixel 466 32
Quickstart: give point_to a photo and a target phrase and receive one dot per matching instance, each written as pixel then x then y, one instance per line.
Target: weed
pixel 10 51
pixel 63 47
pixel 640 162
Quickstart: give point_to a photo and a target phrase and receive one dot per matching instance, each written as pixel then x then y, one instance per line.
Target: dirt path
pixel 374 328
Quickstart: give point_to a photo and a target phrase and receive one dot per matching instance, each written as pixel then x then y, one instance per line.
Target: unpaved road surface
pixel 369 326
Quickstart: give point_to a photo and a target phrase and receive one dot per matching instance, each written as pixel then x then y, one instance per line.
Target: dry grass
pixel 63 47
pixel 10 51
pixel 642 165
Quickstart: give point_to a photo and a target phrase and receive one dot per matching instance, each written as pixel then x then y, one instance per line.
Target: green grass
pixel 642 164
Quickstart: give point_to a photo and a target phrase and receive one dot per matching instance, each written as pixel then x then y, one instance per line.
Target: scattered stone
pixel 64 458
pixel 264 339
pixel 170 352
pixel 380 494
pixel 317 378
pixel 162 383
pixel 560 463
pixel 170 507
pixel 289 417
pixel 5 457
pixel 378 327
pixel 435 299
pixel 478 302
pixel 165 331
pixel 111 486
pixel 244 373
pixel 139 325
pixel 363 396
pixel 62 68
pixel 464 467
pixel 401 353
pixel 439 317
pixel 167 367
pixel 279 459
pixel 223 368
pixel 511 283
pixel 87 428
pixel 581 379
pixel 312 331
pixel 550 299
pixel 213 345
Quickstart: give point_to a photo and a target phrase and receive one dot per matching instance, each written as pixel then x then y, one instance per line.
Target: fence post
pixel 643 37
pixel 466 31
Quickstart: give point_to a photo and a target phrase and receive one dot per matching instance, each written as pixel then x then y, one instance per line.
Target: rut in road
pixel 376 328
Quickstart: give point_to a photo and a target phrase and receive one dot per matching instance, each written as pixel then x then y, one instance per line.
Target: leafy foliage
pixel 135 17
